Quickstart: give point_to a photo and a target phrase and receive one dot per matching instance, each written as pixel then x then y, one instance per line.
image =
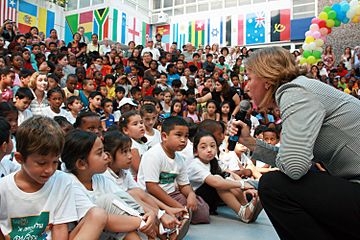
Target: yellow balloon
pixel 302 60
pixel 323 16
pixel 319 42
pixel 358 10
pixel 311 60
pixel 330 23
pixel 309 39
pixel 355 19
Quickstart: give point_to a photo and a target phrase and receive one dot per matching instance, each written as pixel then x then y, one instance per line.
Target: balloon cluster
pixel 321 26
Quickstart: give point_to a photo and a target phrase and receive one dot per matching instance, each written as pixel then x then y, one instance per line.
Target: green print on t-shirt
pixel 167 178
pixel 29 228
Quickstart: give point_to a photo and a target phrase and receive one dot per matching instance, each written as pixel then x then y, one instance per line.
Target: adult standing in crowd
pixel 318 123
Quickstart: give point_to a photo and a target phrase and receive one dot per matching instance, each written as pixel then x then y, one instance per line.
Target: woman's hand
pixel 245 137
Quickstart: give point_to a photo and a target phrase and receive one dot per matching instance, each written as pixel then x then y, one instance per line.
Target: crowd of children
pixel 127 145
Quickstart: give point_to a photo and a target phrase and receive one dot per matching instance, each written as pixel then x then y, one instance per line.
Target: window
pixel 216 5
pixel 190 9
pixel 190 1
pixel 72 5
pixel 258 1
pixel 179 2
pixel 244 2
pixel 84 3
pixel 203 7
pixel 157 4
pixel 178 11
pixel 94 2
pixel 230 3
pixel 168 3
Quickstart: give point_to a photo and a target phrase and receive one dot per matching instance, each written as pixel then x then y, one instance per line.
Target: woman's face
pixel 41 83
pixel 63 61
pixel 34 31
pixel 218 87
pixel 177 107
pixel 77 37
pixel 256 88
pixel 135 53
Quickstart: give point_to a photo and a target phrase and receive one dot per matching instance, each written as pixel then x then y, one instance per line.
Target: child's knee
pixel 97 215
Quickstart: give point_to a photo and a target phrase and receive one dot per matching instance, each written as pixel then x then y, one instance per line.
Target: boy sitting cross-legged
pixel 38 202
pixel 161 168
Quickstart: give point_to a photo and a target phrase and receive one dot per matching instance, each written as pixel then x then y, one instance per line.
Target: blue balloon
pixel 345 20
pixel 336 7
pixel 345 7
pixel 340 15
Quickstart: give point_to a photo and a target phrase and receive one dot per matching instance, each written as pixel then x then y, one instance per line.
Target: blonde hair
pixel 33 78
pixel 276 66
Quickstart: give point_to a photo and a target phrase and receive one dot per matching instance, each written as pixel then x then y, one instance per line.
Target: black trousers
pixel 210 196
pixel 317 206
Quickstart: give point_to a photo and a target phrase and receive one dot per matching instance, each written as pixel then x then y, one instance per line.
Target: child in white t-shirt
pixel 119 147
pixel 23 98
pixel 149 115
pixel 213 185
pixel 55 97
pixel 6 146
pixel 73 106
pixel 132 125
pixel 162 171
pixel 37 202
pixel 85 159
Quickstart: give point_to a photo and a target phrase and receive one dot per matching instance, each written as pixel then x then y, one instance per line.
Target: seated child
pixel 213 185
pixel 108 118
pixel 6 166
pixel 23 98
pixel 38 202
pixel 70 89
pixel 162 169
pixel 150 116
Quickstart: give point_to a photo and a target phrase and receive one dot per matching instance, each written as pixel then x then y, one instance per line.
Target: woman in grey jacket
pixel 320 124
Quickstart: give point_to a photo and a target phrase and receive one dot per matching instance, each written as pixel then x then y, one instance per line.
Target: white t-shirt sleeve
pixel 182 178
pixel 151 165
pixel 198 172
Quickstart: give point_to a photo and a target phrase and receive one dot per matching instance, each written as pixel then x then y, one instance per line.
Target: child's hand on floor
pixel 149 229
pixel 192 202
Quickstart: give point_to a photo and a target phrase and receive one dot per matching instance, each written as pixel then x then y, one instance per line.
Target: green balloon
pixel 332 14
pixel 316 54
pixel 307 54
pixel 337 23
pixel 327 9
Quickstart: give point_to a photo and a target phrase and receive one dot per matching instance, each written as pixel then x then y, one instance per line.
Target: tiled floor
pixel 226 226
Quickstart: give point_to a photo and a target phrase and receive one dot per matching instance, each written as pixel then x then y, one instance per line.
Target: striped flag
pixel 215 30
pixel 8 10
pixel 123 28
pixel 145 33
pixel 280 25
pixel 228 31
pixel 164 30
pixel 46 21
pixel 27 16
pixel 178 31
pixel 197 32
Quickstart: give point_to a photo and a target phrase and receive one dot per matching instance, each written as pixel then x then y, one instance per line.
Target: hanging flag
pixel 27 16
pixel 191 32
pixel 86 20
pixel 165 32
pixel 214 30
pixel 101 23
pixel 71 25
pixel 199 33
pixel 145 33
pixel 8 10
pixel 134 31
pixel 115 25
pixel 123 28
pixel 240 29
pixel 280 25
pixel 228 31
pixel 255 28
pixel 46 21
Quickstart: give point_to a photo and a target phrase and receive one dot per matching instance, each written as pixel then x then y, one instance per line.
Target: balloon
pixel 319 49
pixel 336 7
pixel 323 38
pixel 305 46
pixel 323 16
pixel 332 14
pixel 337 23
pixel 357 11
pixel 311 60
pixel 316 34
pixel 353 3
pixel 315 21
pixel 302 60
pixel 307 54
pixel 340 15
pixel 314 27
pixel 330 23
pixel 309 39
pixel 322 23
pixel 308 33
pixel 323 31
pixel 344 6
pixel 355 19
pixel 319 42
pixel 345 20
pixel 317 54
pixel 312 46
pixel 351 13
pixel 327 9
pixel 329 30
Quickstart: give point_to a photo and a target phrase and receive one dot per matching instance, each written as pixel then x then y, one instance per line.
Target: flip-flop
pixel 257 210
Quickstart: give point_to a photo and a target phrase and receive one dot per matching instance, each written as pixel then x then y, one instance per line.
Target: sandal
pixel 242 212
pixel 179 232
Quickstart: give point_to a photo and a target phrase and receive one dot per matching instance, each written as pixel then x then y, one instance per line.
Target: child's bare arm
pixel 135 160
pixel 154 189
pixel 217 116
pixel 190 196
pixel 60 232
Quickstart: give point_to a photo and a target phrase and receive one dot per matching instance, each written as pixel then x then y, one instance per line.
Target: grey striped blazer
pixel 319 124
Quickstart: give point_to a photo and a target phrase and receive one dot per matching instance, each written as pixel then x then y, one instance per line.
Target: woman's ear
pixel 81 164
pixel 267 85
